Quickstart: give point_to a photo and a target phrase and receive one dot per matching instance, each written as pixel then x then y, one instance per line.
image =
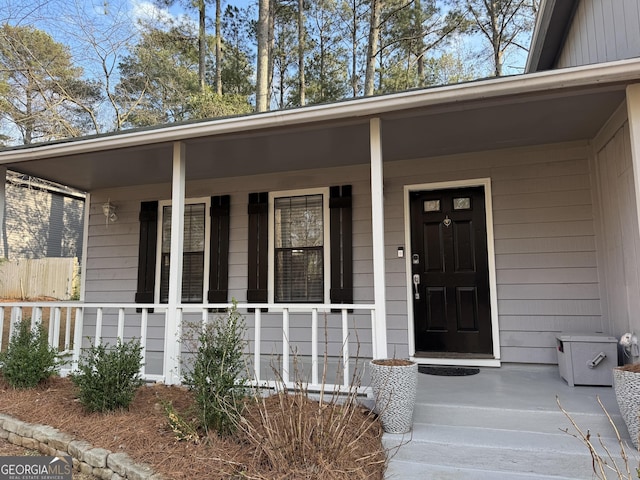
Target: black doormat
pixel 447 371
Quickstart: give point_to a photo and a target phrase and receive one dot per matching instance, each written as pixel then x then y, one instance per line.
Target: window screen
pixel 193 259
pixel 299 249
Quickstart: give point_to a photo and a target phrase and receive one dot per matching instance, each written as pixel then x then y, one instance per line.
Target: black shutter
pixel 219 250
pixel 147 252
pixel 258 247
pixel 341 244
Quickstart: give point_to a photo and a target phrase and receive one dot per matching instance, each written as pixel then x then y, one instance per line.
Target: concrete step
pixel 485 443
pixel 542 421
pixel 401 470
pixel 464 437
pixel 495 460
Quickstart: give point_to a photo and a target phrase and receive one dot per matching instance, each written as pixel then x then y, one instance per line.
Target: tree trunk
pixel 354 50
pixel 420 43
pixel 218 81
pixel 372 46
pixel 496 40
pixel 262 68
pixel 202 45
pixel 301 50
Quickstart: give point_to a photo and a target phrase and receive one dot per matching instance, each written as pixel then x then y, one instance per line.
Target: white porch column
pixel 3 196
pixel 633 112
pixel 377 228
pixel 173 327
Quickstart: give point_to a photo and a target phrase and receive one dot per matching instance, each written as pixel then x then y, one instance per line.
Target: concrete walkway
pixel 504 423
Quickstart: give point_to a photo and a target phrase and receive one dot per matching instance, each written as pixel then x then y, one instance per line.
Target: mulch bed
pixel 144 434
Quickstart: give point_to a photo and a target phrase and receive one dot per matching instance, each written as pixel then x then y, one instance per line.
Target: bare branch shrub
pixel 331 437
pixel 605 466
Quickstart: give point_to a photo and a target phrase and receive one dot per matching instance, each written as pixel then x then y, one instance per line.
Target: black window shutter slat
pixel 258 257
pixel 219 250
pixel 147 252
pixel 341 241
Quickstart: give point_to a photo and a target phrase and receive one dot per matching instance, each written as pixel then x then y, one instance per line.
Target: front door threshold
pixel 458 361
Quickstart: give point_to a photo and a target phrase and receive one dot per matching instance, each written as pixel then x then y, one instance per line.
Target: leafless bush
pixel 331 437
pixel 605 466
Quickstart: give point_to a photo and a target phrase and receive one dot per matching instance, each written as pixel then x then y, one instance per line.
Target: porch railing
pixel 67 323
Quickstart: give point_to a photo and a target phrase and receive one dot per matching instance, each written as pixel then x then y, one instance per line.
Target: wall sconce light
pixel 109 211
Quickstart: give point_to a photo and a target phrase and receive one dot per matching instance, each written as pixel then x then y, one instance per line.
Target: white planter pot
pixel 394 393
pixel 627 389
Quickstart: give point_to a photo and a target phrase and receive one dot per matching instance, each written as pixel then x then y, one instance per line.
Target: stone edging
pixel 98 462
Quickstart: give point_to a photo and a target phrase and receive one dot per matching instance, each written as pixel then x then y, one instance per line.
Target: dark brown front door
pixel 450 273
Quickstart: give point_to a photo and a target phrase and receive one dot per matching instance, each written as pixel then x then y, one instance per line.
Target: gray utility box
pixel 587 358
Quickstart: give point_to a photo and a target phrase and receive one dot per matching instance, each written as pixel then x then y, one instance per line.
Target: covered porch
pixel 559 235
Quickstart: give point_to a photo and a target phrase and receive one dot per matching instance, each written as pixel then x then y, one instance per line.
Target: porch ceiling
pixel 411 129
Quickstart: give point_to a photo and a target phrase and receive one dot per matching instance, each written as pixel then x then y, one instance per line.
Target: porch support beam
pixel 377 229
pixel 173 327
pixel 633 113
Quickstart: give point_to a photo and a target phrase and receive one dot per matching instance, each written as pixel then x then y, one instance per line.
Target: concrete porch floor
pixel 504 423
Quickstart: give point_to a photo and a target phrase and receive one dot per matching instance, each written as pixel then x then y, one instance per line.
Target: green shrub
pixel 216 374
pixel 29 359
pixel 108 377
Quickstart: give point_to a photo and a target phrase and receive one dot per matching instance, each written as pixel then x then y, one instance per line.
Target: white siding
pixel 544 240
pixel 602 31
pixel 619 250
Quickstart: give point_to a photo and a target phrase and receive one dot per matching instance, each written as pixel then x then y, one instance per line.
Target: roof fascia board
pixel 624 71
pixel 552 27
pixel 539 34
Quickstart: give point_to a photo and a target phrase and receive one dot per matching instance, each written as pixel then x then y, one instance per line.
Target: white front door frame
pixel 493 295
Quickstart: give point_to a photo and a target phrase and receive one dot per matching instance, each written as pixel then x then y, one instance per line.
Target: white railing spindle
pixel 314 347
pixel 121 324
pixel 144 319
pixel 36 316
pixel 257 338
pixel 77 338
pixel 67 329
pixel 55 338
pixel 16 317
pixel 285 346
pixel 345 347
pixel 98 338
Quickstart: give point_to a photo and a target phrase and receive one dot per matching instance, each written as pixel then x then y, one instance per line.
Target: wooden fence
pixel 56 278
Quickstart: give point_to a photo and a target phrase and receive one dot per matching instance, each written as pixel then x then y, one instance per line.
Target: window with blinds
pixel 299 249
pixel 193 258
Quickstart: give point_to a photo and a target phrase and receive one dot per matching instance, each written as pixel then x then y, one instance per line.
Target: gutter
pixel 624 71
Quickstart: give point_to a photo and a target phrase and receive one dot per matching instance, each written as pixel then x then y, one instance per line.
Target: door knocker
pixel 447 221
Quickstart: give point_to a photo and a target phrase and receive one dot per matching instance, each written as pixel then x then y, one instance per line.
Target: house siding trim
pixel 491 257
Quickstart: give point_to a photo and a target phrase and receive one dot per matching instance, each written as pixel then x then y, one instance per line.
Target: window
pixel 298 248
pixel 193 260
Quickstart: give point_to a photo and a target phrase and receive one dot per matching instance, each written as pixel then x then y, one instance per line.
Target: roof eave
pixel 584 76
